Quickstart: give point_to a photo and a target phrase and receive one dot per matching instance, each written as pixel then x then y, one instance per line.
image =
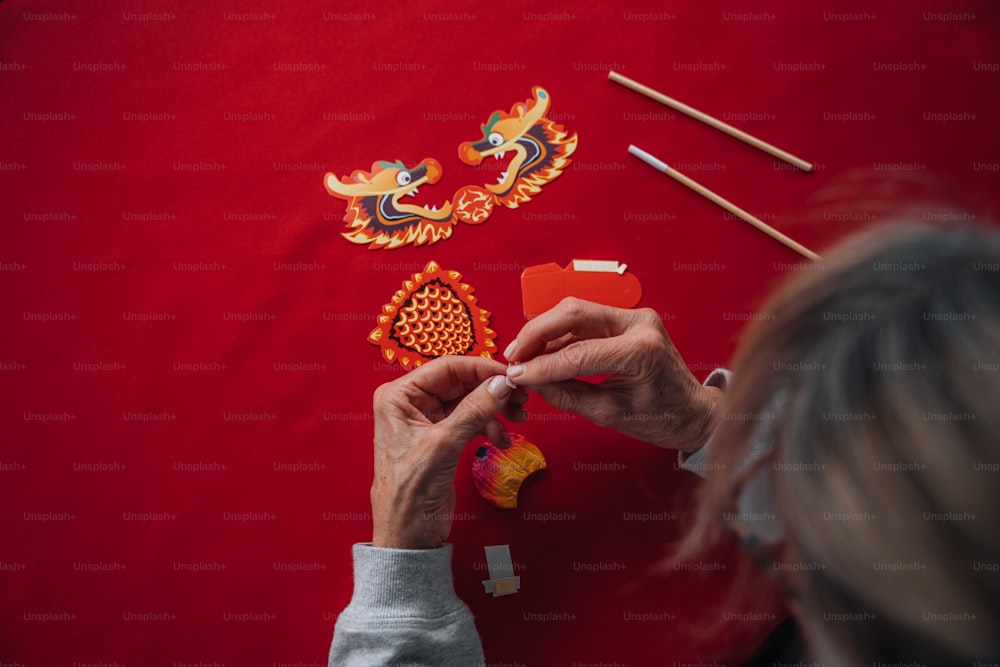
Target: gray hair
pixel 886 460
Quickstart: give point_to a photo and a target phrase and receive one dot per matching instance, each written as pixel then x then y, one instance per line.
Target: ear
pixel 360 176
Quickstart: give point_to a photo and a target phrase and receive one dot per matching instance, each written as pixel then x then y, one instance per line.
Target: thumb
pixel 475 411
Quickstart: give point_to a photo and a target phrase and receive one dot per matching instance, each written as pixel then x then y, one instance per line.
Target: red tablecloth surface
pixel 148 314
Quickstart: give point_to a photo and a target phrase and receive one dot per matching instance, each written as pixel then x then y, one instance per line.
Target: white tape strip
pixel 599 266
pixel 502 580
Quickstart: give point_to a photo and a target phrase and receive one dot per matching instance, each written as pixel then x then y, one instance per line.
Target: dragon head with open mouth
pixel 376 207
pixel 379 215
pixel 540 147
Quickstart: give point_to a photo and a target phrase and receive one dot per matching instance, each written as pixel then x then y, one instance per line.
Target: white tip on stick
pixel 710 121
pixel 655 163
pixel 662 166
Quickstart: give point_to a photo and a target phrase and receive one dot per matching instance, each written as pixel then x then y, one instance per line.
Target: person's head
pixel 884 368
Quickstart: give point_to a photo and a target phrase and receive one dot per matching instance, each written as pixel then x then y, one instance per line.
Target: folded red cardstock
pixel 606 282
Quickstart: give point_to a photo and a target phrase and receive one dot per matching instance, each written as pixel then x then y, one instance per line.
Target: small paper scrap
pixel 498 563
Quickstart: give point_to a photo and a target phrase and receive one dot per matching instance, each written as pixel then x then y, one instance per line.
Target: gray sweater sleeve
pixel 763 437
pixel 756 505
pixel 404 612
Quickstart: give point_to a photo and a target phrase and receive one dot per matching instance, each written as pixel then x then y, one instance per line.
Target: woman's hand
pixel 649 393
pixel 423 421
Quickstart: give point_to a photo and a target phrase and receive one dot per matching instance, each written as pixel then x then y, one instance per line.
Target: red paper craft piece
pixel 545 285
pixel 540 148
pixel 433 315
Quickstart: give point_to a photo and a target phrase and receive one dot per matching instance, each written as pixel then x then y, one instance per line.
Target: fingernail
pixel 504 440
pixel 510 349
pixel 499 387
pixel 515 371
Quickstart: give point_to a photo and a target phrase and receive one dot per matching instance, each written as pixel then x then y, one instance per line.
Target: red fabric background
pixel 71 445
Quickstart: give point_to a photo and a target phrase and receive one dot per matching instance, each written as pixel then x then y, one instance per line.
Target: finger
pixel 496 433
pixel 582 398
pixel 559 343
pixel 514 413
pixel 582 319
pixel 518 397
pixel 473 413
pixel 447 378
pixel 583 358
pixel 512 410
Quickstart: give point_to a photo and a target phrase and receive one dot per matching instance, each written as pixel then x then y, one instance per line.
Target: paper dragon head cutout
pixel 378 216
pixel 376 211
pixel 540 147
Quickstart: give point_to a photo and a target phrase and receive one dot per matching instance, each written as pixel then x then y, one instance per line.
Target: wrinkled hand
pixel 649 393
pixel 423 421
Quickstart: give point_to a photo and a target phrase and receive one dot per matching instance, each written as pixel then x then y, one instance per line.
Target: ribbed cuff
pixel 696 461
pixel 402 583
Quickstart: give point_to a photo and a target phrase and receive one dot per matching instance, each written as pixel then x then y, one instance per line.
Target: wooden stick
pixel 659 165
pixel 710 120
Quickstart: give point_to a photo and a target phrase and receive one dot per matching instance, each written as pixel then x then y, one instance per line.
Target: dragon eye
pixel 403 178
pixel 495 138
